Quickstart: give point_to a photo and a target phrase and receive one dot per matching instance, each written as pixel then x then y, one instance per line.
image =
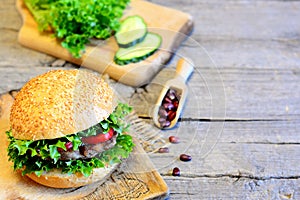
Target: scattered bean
pixel 185 157
pixel 163 150
pixel 176 171
pixel 174 139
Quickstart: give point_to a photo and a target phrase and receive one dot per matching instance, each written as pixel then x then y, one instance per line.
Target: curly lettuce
pixel 43 155
pixel 75 22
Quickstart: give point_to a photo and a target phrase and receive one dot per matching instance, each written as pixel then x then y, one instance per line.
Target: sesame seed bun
pixel 60 103
pixel 56 179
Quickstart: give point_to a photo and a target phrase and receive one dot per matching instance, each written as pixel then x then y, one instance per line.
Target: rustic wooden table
pixel 242 118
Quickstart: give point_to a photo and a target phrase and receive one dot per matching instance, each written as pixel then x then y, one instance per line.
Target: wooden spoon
pixel 184 69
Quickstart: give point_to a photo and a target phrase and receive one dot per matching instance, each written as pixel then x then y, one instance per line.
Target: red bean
pixel 185 157
pixel 172 94
pixel 167 111
pixel 167 100
pixel 163 150
pixel 166 124
pixel 161 119
pixel 162 112
pixel 168 106
pixel 171 115
pixel 174 139
pixel 176 171
pixel 163 122
pixel 175 103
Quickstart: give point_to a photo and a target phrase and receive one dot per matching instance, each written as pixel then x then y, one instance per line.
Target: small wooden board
pixel 136 178
pixel 172 25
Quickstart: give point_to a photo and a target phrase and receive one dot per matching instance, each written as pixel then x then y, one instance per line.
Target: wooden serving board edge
pixel 135 74
pixel 136 178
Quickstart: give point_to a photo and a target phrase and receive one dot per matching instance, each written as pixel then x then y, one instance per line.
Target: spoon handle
pixel 184 68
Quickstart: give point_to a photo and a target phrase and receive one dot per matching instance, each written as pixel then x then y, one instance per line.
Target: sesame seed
pixel 48 103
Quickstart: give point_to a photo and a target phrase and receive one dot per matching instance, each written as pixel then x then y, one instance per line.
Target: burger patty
pixel 88 150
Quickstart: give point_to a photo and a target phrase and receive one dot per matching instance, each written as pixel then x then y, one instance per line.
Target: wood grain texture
pixel 255 48
pixel 231 94
pixel 252 149
pixel 233 160
pixel 100 57
pixel 233 188
pixel 136 178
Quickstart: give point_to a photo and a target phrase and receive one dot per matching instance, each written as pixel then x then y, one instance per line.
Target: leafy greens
pixel 75 22
pixel 43 155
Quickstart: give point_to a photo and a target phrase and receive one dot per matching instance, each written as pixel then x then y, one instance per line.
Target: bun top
pixel 60 103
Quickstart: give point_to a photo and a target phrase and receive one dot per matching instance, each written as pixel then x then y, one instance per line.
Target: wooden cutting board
pixel 136 178
pixel 172 25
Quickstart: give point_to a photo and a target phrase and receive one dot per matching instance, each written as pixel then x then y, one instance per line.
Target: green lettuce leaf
pixel 43 155
pixel 75 22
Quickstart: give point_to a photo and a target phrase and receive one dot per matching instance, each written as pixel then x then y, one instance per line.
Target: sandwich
pixel 68 129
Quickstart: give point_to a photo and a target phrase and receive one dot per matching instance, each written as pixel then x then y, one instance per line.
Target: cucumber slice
pixel 139 51
pixel 132 31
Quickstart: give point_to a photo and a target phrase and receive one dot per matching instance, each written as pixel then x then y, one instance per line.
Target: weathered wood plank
pixel 255 94
pixel 255 45
pixel 232 188
pixel 135 178
pixel 8 12
pixel 231 93
pixel 272 53
pixel 255 48
pixel 238 19
pixel 11 53
pixel 17 64
pixel 233 160
pixel 243 34
pixel 14 78
pixel 276 55
pixel 254 149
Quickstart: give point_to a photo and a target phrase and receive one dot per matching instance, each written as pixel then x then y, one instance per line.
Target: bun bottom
pixel 56 179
